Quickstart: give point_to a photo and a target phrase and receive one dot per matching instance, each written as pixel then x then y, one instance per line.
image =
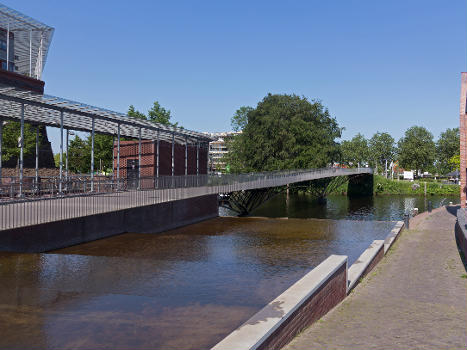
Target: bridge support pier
pixel 360 185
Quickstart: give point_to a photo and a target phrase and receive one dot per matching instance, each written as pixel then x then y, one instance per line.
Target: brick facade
pixel 148 166
pixel 463 139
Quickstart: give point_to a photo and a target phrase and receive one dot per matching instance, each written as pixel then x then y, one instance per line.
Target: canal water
pixel 182 289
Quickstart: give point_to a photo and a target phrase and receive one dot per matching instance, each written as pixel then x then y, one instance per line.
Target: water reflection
pixel 184 289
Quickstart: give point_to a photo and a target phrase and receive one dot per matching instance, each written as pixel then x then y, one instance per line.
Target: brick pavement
pixel 416 298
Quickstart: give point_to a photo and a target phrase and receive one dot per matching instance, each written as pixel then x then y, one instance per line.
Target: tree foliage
pixel 355 152
pixel 156 113
pixel 240 118
pixel 285 132
pixel 10 142
pixel 447 147
pixel 416 149
pixel 382 148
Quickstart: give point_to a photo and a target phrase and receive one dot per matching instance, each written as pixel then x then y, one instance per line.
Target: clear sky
pixel 377 65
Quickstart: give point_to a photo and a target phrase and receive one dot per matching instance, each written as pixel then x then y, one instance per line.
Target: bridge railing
pixel 54 200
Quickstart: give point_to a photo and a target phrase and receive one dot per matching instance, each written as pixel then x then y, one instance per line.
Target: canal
pixel 185 288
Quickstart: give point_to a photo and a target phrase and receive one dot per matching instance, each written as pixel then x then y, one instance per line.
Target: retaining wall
pixel 461 231
pixel 149 219
pixel 307 300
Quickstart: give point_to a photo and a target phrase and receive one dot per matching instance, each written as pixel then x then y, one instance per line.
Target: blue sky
pixel 377 65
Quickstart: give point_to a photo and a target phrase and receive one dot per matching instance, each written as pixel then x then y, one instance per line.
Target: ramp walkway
pixel 416 298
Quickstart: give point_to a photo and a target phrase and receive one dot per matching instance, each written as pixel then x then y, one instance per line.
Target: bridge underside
pixel 244 202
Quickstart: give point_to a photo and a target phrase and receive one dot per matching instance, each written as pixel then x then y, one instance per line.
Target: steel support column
pixel 92 153
pixel 173 154
pixel 118 156
pixel 66 156
pixel 139 159
pixel 8 47
pixel 186 156
pixel 197 157
pixel 157 157
pixel 61 153
pixel 1 140
pixel 37 159
pixel 21 152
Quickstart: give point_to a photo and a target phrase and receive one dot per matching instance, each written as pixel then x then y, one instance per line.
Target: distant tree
pixel 79 156
pixel 11 136
pixel 240 119
pixel 285 132
pixel 157 114
pixel 382 148
pixel 132 112
pixel 355 152
pixel 103 151
pixel 416 149
pixel 448 146
pixel 455 162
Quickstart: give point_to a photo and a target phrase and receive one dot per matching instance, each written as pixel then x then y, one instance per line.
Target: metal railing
pixel 52 200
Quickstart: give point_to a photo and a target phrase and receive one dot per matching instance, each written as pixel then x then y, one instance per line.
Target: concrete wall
pixel 149 219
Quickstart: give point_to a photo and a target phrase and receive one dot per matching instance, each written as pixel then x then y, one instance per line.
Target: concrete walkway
pixel 416 298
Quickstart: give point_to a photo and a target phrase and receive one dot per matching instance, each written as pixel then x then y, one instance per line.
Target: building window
pixel 3 45
pixel 3 65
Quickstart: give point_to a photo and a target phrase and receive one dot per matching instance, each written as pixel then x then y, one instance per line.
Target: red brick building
pixel 196 161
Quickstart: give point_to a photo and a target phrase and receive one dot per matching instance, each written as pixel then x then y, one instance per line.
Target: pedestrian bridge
pixel 48 205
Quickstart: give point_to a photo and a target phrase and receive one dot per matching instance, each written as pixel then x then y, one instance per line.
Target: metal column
pixel 157 159
pixel 37 159
pixel 30 53
pixel 66 156
pixel 197 157
pixel 173 151
pixel 186 155
pixel 8 47
pixel 118 156
pixel 61 153
pixel 21 152
pixel 92 154
pixel 139 159
pixel 1 139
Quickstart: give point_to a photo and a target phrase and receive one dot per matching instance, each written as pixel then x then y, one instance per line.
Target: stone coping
pixel 359 266
pixel 258 328
pixel 392 236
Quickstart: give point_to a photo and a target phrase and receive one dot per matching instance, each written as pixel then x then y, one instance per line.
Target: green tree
pixel 416 149
pixel 382 148
pixel 285 132
pixel 355 152
pixel 157 114
pixel 240 119
pixel 10 142
pixel 79 156
pixel 448 146
pixel 103 151
pixel 455 162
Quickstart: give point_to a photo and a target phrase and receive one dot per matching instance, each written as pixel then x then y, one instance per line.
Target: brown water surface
pixel 183 289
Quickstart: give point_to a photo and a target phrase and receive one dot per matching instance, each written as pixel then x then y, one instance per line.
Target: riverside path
pixel 416 298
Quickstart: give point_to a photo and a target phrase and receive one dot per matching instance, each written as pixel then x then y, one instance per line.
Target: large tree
pixel 11 137
pixel 285 132
pixel 416 149
pixel 240 119
pixel 355 152
pixel 156 113
pixel 446 148
pixel 382 148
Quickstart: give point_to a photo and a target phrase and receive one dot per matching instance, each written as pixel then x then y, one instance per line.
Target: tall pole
pixel 1 139
pixel 30 53
pixel 118 155
pixel 139 159
pixel 8 47
pixel 173 154
pixel 197 157
pixel 66 154
pixel 113 157
pixel 61 153
pixel 92 154
pixel 157 159
pixel 37 156
pixel 186 155
pixel 21 152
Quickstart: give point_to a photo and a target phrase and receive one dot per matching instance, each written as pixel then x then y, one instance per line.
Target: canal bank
pixel 415 298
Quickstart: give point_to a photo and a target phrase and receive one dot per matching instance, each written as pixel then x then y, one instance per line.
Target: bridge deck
pixel 28 212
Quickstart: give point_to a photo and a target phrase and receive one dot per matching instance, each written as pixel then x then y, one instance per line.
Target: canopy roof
pixel 46 110
pixel 31 41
